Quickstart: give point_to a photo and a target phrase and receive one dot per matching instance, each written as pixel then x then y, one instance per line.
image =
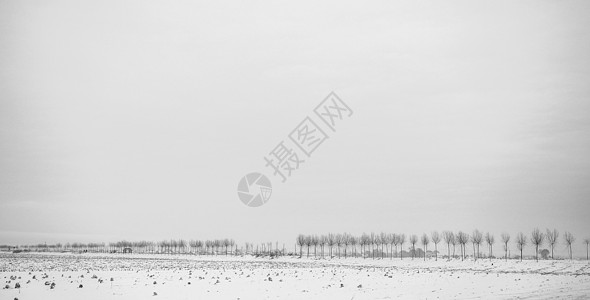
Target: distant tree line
pixel 342 245
pixel 391 245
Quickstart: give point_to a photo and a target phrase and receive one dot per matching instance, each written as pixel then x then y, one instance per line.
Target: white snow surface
pixel 136 276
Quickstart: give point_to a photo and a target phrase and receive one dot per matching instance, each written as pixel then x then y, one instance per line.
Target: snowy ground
pixel 91 276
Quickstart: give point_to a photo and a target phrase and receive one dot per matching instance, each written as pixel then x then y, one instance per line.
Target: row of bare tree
pixel 386 244
pixel 173 246
pixel 337 245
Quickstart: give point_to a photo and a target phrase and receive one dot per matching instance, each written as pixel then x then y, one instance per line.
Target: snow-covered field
pixel 91 276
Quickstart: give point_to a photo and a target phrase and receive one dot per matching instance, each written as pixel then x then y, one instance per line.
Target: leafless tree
pixel 435 239
pixel 301 243
pixel 346 239
pixel 401 239
pixel 193 245
pixel 173 245
pixel 384 240
pixel 537 238
pixel 395 241
pixel 392 238
pixel 217 244
pixel 331 242
pixel 552 239
pixel 462 239
pixel 490 240
pixel 323 240
pixel 353 242
pixel 338 242
pixel 308 242
pixel 476 240
pixel 587 241
pixel 454 242
pixel 569 240
pixel 413 241
pixel 199 245
pixel 520 243
pixel 425 241
pixel 374 243
pixel 377 243
pixel 449 237
pixel 225 244
pixel 365 241
pixel 207 246
pixel 505 240
pixel 315 240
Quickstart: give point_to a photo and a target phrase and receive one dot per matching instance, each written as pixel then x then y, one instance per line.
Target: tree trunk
pixel 506 252
pixel 435 252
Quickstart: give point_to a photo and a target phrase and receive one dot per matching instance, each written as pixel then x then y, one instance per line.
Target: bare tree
pixel 490 240
pixel 569 240
pixel 505 240
pixel 372 241
pixel 435 239
pixel 323 241
pixel 225 244
pixel 315 240
pixel 401 239
pixel 174 245
pixel 392 242
pixel 217 244
pixel 448 236
pixel 207 246
pixel 462 239
pixel 476 239
pixel 454 242
pixel 338 243
pixel 331 242
pixel 192 244
pixel 552 239
pixel 587 241
pixel 395 241
pixel 365 240
pixel 425 242
pixel 353 242
pixel 413 241
pixel 301 243
pixel 384 240
pixel 520 242
pixel 346 239
pixel 361 241
pixel 308 242
pixel 537 238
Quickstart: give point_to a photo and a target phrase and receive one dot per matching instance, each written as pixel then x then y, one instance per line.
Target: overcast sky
pixel 137 119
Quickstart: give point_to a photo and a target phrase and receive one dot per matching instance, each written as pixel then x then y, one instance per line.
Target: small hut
pixel 127 250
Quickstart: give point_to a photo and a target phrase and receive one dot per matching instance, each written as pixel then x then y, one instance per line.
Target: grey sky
pixel 136 119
